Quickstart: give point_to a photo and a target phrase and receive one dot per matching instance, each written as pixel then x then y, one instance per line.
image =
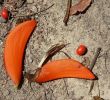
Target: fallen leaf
pixel 80 7
pixel 97 98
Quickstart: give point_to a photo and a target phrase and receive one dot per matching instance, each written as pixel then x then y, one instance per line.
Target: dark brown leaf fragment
pixel 50 53
pixel 80 7
pixel 97 98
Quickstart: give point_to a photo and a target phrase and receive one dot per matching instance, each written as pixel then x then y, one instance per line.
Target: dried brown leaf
pixel 97 98
pixel 50 53
pixel 80 7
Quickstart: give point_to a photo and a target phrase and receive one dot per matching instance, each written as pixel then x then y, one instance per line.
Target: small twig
pixel 68 56
pixel 66 18
pixel 86 61
pixel 104 52
pixel 33 14
pixel 98 87
pixel 94 59
pixel 91 87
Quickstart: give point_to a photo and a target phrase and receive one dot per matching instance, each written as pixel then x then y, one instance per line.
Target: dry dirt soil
pixel 91 28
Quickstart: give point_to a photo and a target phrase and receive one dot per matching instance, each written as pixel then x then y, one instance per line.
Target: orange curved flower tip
pixel 14 49
pixel 63 68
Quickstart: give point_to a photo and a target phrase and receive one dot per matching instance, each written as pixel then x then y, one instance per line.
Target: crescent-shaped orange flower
pixel 14 49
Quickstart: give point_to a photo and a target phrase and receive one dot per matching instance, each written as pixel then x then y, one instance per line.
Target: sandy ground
pixel 91 29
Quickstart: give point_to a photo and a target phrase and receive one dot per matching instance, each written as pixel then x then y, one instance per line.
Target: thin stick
pixel 65 54
pixel 33 14
pixel 91 87
pixel 98 87
pixel 95 59
pixel 66 18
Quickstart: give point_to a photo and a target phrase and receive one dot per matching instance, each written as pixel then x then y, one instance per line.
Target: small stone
pixel 30 1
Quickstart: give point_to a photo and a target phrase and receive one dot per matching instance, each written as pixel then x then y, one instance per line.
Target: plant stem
pixel 95 59
pixel 33 14
pixel 66 18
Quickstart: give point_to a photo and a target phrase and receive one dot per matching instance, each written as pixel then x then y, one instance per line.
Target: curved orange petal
pixel 14 49
pixel 64 68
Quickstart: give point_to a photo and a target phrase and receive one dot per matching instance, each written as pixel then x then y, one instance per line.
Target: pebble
pixel 30 1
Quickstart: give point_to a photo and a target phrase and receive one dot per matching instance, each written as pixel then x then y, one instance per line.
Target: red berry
pixel 4 13
pixel 81 50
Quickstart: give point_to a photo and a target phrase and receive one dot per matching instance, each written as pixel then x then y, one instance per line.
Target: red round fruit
pixel 81 50
pixel 4 13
